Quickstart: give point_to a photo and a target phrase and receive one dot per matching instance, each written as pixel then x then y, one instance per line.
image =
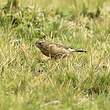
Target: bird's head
pixel 41 44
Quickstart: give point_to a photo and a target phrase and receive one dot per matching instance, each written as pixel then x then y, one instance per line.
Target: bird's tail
pixel 77 50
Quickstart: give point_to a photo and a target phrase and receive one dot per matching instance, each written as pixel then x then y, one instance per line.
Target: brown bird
pixel 54 50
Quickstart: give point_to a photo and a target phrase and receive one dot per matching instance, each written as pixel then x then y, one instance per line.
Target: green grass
pixel 28 81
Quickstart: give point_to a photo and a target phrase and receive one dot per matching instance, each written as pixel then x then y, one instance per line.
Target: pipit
pixel 54 50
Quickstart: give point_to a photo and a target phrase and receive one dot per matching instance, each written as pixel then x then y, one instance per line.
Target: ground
pixel 29 80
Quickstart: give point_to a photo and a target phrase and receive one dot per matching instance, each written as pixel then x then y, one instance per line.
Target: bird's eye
pixel 39 43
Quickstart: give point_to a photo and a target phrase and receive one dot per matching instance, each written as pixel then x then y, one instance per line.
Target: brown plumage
pixel 54 50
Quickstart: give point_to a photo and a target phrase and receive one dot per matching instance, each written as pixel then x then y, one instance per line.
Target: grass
pixel 28 81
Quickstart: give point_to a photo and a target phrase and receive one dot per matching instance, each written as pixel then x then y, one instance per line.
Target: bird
pixel 55 50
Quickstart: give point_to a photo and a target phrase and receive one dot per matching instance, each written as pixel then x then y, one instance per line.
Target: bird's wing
pixel 61 46
pixel 58 49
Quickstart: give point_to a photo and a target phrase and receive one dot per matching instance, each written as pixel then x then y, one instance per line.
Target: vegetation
pixel 30 81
